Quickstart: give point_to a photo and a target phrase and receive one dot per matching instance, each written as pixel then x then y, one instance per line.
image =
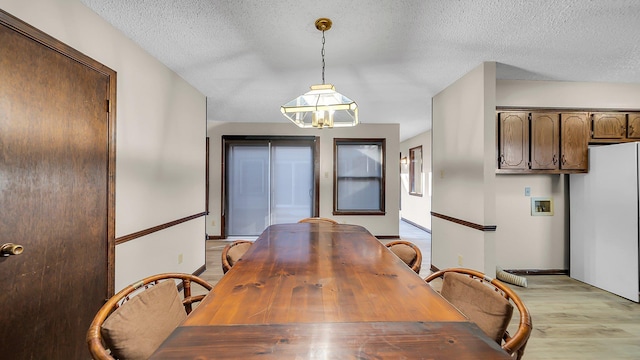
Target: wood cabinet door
pixel 574 141
pixel 545 141
pixel 513 128
pixel 633 126
pixel 609 125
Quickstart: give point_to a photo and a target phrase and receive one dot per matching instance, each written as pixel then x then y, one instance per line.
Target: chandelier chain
pixel 322 57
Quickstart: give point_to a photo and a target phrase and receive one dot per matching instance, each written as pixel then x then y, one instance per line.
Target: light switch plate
pixel 527 191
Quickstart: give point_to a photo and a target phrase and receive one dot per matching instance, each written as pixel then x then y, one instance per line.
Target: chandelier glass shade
pixel 323 106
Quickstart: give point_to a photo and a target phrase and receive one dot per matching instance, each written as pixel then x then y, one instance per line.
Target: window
pixel 358 187
pixel 415 171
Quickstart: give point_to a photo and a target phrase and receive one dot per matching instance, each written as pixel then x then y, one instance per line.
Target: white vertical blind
pixel 292 183
pixel 267 184
pixel 248 189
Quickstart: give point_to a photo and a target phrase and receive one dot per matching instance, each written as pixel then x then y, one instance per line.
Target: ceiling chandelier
pixel 322 106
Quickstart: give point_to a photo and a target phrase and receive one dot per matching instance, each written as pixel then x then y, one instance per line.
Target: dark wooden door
pixel 55 161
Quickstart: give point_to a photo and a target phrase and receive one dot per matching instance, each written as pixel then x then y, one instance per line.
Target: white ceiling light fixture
pixel 322 106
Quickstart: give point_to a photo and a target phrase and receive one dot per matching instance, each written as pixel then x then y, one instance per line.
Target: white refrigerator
pixel 604 220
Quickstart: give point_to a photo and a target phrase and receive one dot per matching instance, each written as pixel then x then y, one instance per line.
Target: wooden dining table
pixel 325 291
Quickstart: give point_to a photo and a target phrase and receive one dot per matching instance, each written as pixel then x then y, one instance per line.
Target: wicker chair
pixel 470 285
pixel 233 252
pixel 318 220
pixel 139 317
pixel 407 252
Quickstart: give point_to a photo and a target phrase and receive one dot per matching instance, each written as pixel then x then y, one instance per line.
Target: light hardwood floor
pixel 571 320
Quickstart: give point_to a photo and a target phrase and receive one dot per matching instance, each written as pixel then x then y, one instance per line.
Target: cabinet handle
pixel 630 129
pixel 555 159
pixel 622 130
pixel 501 159
pixel 564 161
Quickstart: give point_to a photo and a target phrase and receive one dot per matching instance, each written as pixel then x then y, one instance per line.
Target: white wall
pixel 542 242
pixel 160 146
pixel 464 143
pixel 416 209
pixel 567 94
pixel 531 242
pixel 386 225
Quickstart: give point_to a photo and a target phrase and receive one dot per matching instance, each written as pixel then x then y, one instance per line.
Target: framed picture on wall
pixel 416 183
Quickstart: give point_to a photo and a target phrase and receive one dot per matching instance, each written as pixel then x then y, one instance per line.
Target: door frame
pixel 52 43
pixel 315 151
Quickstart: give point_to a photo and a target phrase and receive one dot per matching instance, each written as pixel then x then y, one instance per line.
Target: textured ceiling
pixel 391 56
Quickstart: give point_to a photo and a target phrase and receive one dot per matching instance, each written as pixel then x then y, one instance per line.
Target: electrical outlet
pixel 179 258
pixel 527 191
pixel 459 260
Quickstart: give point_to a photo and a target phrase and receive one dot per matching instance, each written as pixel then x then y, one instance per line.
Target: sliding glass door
pixel 268 181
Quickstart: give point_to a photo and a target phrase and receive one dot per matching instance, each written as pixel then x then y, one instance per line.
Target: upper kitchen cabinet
pixel 633 126
pixel 542 142
pixel 609 125
pixel 545 141
pixel 513 140
pixel 614 127
pixel 574 141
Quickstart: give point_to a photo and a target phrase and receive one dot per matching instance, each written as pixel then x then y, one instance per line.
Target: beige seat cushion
pixel 235 252
pixel 137 328
pixel 479 302
pixel 405 252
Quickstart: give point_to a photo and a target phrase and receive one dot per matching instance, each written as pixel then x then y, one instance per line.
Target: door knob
pixel 11 249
